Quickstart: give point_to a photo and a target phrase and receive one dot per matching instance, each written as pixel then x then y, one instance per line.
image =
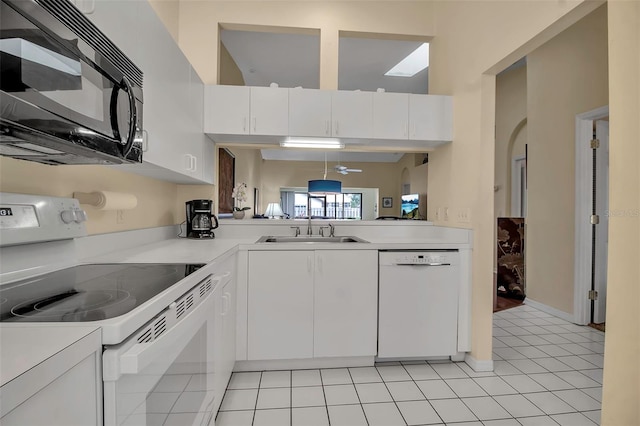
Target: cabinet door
pixel 229 329
pixel 269 111
pixel 164 75
pixel 118 20
pixel 309 112
pixel 226 109
pixel 390 115
pixel 280 305
pixel 197 146
pixel 345 303
pixel 352 114
pixel 430 117
pixel 65 389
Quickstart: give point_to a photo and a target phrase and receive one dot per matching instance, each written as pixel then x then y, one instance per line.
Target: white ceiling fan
pixel 344 170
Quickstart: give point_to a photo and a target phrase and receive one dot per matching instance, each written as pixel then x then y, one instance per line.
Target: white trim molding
pixel 478 366
pixel 582 226
pixel 548 309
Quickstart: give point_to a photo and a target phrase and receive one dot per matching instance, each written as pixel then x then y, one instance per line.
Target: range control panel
pixel 36 218
pixel 417 258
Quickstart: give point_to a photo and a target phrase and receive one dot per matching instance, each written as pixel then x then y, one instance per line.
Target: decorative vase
pixel 238 214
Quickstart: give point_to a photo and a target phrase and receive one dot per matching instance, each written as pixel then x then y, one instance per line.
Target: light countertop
pixel 22 348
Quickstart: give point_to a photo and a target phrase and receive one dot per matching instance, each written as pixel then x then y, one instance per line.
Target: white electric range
pixel 156 322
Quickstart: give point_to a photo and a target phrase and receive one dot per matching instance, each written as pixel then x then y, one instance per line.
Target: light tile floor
pixel 547 372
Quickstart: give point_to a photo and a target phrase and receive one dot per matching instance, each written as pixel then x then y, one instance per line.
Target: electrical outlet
pixel 446 213
pixel 119 216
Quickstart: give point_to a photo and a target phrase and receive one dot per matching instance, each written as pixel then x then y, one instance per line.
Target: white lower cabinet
pixel 345 303
pixel 225 330
pixel 65 389
pixel 312 304
pixel 280 305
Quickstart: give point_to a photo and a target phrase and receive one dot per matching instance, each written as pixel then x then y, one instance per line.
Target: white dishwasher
pixel 418 304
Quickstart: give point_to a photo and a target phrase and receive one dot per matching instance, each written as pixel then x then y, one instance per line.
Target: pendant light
pixel 324 186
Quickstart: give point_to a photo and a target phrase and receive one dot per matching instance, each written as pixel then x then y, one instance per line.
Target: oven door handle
pixel 141 355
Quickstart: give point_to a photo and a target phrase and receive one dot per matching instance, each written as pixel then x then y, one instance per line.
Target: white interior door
pixel 601 180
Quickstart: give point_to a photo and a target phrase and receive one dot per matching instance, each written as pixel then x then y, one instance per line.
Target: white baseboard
pixel 548 309
pixel 477 365
pixel 302 364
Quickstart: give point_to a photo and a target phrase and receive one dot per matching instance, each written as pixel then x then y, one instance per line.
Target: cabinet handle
pixel 413 130
pixel 225 304
pixel 337 129
pixel 187 162
pixel 145 141
pixel 405 130
pixel 253 119
pixel 320 263
pixel 194 163
pixel 244 124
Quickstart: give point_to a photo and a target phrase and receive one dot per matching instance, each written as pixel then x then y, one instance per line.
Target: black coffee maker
pixel 199 219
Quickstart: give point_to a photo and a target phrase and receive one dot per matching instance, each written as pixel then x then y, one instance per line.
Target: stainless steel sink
pixel 312 239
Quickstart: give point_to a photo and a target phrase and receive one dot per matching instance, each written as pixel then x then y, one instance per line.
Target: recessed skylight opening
pixel 415 62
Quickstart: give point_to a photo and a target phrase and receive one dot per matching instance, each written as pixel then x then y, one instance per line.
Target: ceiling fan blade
pixel 354 170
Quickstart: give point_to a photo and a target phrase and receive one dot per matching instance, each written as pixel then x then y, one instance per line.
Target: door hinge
pixel 595 143
pixel 593 295
pixel 595 219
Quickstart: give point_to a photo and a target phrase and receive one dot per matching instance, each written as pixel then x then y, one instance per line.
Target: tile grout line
pixel 324 395
pixel 391 395
pixel 358 395
pixel 253 419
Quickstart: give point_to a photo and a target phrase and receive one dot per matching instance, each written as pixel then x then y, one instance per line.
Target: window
pixel 339 206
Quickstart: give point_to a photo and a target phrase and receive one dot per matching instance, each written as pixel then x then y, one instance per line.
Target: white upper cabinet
pixel 269 111
pixel 390 115
pixel 175 147
pixel 242 110
pixel 309 112
pixel 232 112
pixel 431 117
pixel 352 114
pixel 226 109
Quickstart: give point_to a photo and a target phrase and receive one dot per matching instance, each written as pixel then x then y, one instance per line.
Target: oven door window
pixel 176 382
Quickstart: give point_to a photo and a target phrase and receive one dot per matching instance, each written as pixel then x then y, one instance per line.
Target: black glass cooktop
pixel 88 292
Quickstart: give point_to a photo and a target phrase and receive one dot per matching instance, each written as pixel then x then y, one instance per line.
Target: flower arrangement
pixel 239 194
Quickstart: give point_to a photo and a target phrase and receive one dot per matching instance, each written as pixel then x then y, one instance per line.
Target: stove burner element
pixel 73 305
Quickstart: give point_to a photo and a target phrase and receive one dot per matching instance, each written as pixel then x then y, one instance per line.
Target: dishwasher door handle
pixel 422 264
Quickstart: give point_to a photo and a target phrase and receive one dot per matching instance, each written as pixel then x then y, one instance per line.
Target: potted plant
pixel 239 195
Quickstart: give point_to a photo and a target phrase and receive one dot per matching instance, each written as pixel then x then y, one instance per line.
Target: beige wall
pixel 269 176
pixel 567 76
pixel 622 340
pixel 276 174
pixel 156 199
pixel 199 26
pixel 229 71
pixel 511 136
pixel 249 170
pixel 470 48
pixel 168 11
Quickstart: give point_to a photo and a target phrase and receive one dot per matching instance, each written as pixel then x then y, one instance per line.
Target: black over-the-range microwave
pixel 69 95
